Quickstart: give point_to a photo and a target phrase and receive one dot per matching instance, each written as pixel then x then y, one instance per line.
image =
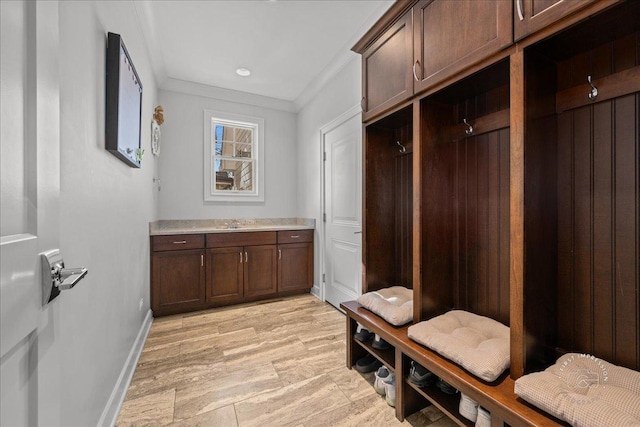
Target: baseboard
pixel 316 292
pixel 112 409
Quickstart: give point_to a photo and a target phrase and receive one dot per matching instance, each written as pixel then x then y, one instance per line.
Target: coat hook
pixel 402 148
pixel 470 130
pixel 594 90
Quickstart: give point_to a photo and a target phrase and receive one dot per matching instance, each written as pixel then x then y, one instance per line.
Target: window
pixel 233 147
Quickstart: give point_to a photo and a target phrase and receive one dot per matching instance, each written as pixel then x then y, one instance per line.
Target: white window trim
pixel 233 196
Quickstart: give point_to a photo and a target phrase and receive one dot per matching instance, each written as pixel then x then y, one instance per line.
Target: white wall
pixel 338 95
pixel 105 207
pixel 181 160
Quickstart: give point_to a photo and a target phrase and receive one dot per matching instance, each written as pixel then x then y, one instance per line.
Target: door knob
pixel 55 277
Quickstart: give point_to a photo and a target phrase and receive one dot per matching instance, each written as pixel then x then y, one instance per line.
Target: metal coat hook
pixel 402 148
pixel 594 90
pixel 470 130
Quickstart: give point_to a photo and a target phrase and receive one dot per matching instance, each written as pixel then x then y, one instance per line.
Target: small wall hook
pixel 594 90
pixel 402 148
pixel 469 131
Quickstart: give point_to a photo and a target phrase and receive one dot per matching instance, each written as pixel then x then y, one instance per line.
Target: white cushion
pixel 585 391
pixel 477 343
pixel 394 304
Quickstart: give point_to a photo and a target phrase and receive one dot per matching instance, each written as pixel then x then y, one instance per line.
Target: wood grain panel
pixel 626 232
pixel 603 269
pixel 565 231
pixel 598 229
pixel 403 178
pixel 583 245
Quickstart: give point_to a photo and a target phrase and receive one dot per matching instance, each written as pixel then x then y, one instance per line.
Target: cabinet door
pixel 450 36
pixel 225 274
pixel 295 266
pixel 178 281
pixel 386 69
pixel 260 270
pixel 533 15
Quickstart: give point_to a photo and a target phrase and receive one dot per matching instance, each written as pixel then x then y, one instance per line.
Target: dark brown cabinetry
pixel 533 15
pixel 295 260
pixel 481 29
pixel 387 78
pixel 177 273
pixel 517 195
pixel 191 272
pixel 225 274
pixel 260 270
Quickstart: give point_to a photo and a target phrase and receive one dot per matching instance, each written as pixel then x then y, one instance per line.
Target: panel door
pixel 178 281
pixel 450 36
pixel 386 68
pixel 30 354
pixel 343 206
pixel 225 274
pixel 533 15
pixel 260 270
pixel 295 266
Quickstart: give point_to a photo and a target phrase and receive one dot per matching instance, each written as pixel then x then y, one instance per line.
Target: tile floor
pixel 273 363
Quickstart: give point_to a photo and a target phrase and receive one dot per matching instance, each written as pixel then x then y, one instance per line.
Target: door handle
pixel 56 277
pixel 240 257
pixel 246 257
pixel 279 254
pixel 357 232
pixel 519 10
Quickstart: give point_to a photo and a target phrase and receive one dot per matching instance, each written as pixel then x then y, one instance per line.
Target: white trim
pixel 114 404
pixel 342 118
pixel 257 124
pixel 197 89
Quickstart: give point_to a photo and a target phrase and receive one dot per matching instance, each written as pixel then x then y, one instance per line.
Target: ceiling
pixel 289 45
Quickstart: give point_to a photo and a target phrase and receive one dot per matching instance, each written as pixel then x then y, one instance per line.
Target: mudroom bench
pixel 497 397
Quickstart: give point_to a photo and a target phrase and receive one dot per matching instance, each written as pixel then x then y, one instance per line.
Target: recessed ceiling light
pixel 243 72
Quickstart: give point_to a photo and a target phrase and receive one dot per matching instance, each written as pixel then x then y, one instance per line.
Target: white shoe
pixel 390 389
pixel 378 384
pixel 468 408
pixel 484 418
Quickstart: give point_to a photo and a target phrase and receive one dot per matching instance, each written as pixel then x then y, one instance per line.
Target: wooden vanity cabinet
pixel 295 260
pixel 260 270
pixel 177 273
pixel 197 271
pixel 241 265
pixel 225 274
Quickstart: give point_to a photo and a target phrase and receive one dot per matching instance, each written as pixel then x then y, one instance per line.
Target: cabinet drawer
pixel 221 240
pixel 295 236
pixel 176 242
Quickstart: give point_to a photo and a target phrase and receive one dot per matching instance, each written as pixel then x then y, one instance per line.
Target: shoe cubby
pixel 447 403
pixel 386 357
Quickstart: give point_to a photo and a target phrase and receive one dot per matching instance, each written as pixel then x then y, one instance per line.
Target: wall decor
pixel 155 138
pixel 124 103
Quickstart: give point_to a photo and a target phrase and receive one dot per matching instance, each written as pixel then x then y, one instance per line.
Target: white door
pixel 342 140
pixel 30 186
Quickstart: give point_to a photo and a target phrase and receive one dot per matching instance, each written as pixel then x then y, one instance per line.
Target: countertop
pixel 197 226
